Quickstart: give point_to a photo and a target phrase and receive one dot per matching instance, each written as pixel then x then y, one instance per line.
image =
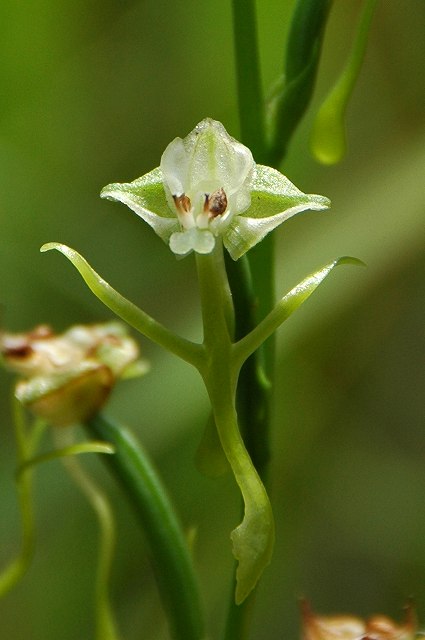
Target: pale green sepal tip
pixel 328 137
pixel 48 246
pixel 146 197
pixel 274 199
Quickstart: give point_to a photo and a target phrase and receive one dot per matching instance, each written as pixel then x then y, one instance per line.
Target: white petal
pixel 194 239
pixel 174 165
pixel 216 160
pixel 204 242
pixel 181 243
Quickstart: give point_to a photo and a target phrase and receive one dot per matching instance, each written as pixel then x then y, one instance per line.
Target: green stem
pixel 253 538
pixel 253 393
pixel 249 86
pixel 239 619
pixel 172 562
pixel 105 623
pixel 253 396
pixel 25 443
pixel 65 452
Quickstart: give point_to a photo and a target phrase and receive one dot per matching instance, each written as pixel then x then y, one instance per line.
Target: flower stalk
pixel 253 539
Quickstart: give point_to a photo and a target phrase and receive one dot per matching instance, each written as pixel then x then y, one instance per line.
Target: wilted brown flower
pixel 66 378
pixel 346 627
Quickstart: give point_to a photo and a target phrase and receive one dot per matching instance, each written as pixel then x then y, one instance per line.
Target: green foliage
pixel 82 106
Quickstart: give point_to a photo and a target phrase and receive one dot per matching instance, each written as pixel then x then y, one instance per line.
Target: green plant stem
pixel 172 562
pixel 253 538
pixel 11 575
pixel 71 450
pixel 249 86
pixel 106 628
pixel 253 386
pixel 26 441
pixel 239 620
pixel 252 394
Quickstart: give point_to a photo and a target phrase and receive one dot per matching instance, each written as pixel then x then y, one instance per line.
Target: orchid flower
pixel 208 186
pixel 206 193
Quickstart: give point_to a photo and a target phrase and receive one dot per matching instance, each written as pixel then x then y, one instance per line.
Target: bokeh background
pixel 91 92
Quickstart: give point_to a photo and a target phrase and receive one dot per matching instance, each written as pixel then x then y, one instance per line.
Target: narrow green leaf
pixel 285 307
pixel 303 51
pixel 128 311
pixel 71 450
pixel 174 570
pixel 328 137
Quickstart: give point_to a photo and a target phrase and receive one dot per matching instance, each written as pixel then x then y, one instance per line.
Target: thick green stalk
pixel 249 87
pixel 170 555
pixel 238 621
pixel 252 395
pixel 302 58
pixel 253 387
pixel 257 300
pixel 253 390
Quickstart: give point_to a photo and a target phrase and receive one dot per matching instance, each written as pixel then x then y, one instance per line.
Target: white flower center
pixel 207 178
pixel 190 216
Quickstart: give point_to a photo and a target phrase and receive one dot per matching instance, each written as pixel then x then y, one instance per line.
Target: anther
pixel 182 203
pixel 215 203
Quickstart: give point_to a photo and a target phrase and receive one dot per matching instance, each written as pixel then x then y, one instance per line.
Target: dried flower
pixel 66 378
pixel 345 627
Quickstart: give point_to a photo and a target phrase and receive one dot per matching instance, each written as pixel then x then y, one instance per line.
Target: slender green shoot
pixel 106 628
pixel 26 442
pixel 328 137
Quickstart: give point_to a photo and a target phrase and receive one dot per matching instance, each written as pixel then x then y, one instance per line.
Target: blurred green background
pixel 91 92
